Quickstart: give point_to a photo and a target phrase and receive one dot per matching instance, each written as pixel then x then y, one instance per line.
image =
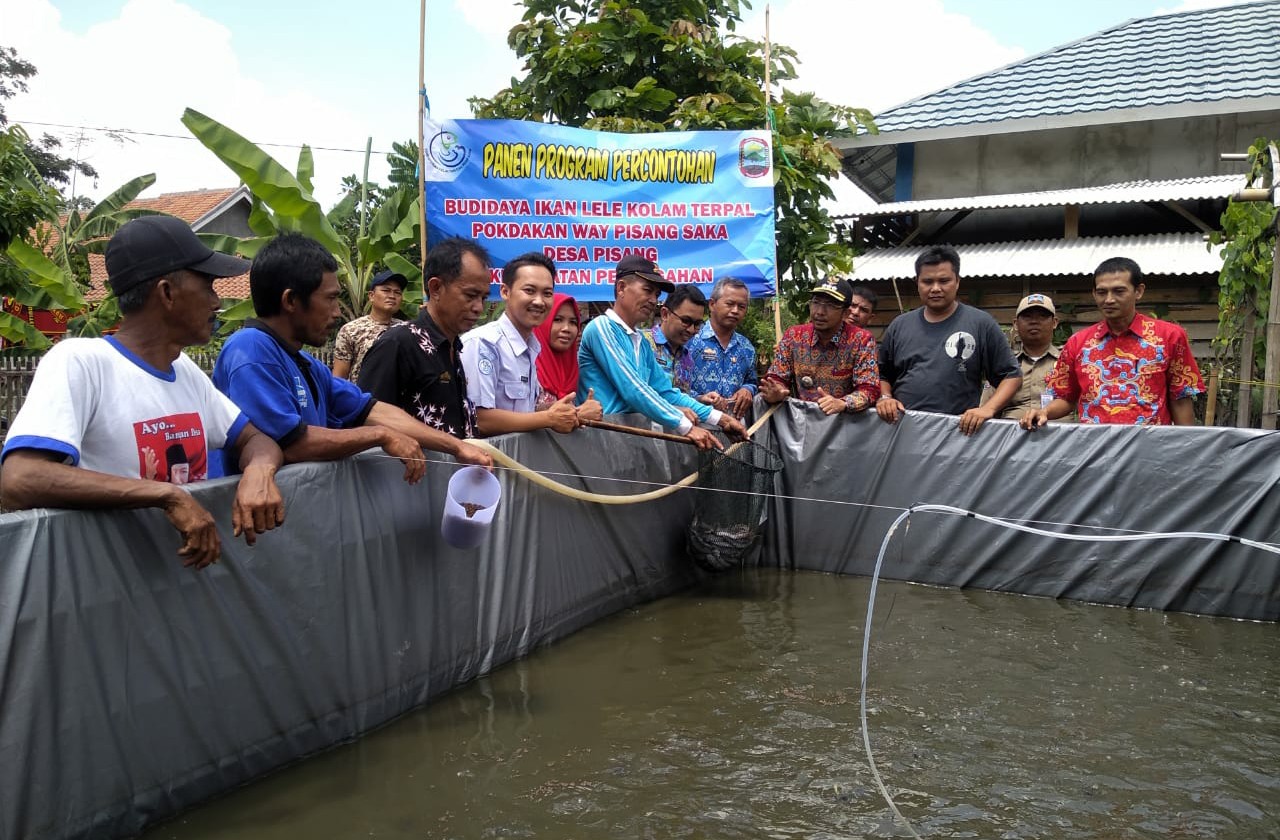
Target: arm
pixel 776 385
pixel 1061 382
pixel 341 368
pixel 614 363
pixel 887 406
pixel 973 419
pixel 35 478
pixel 560 416
pixel 394 418
pixel 258 506
pixel 343 353
pixel 1183 412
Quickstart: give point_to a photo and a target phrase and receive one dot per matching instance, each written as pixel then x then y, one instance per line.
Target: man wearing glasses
pixel 723 360
pixel 826 361
pixel 679 319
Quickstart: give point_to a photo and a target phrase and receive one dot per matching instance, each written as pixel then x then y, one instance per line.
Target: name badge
pixel 709 354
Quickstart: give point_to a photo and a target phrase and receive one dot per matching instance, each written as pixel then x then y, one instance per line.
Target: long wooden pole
pixel 1272 369
pixel 1211 403
pixel 422 149
pixel 768 100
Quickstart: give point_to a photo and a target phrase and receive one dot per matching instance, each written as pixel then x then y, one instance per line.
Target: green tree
pixel 43 154
pixel 657 65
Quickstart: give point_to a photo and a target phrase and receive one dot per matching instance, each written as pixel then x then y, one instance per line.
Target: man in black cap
pixel 122 421
pixel 386 293
pixel 827 361
pixel 618 366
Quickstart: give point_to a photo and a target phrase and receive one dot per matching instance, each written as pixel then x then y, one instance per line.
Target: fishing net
pixel 726 525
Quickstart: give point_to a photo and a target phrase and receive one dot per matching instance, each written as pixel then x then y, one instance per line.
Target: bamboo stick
pixel 422 149
pixel 1211 404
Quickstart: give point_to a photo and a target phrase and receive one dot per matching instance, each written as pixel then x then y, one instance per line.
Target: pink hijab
pixel 558 370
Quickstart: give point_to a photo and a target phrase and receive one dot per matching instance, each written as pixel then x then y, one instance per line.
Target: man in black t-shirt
pixel 936 358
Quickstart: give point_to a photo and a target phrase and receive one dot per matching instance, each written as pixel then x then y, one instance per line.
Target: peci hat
pixel 841 291
pixel 1036 301
pixel 152 246
pixel 638 265
pixel 388 276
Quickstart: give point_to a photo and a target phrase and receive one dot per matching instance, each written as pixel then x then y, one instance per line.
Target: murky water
pixel 732 712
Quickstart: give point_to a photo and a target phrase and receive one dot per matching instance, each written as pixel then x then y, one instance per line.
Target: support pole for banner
pixel 422 149
pixel 768 104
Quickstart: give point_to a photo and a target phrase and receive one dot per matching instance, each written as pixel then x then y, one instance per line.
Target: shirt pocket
pixel 516 390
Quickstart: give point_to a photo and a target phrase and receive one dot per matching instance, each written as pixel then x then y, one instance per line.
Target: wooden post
pixel 1244 399
pixel 422 149
pixel 768 97
pixel 1211 404
pixel 1272 369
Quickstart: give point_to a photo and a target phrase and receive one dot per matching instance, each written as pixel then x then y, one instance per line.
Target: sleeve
pixel 480 361
pixel 782 369
pixel 866 373
pixel 265 392
pixel 62 396
pixel 380 370
pixel 1061 380
pixel 1000 362
pixel 633 388
pixel 344 346
pixel 349 406
pixel 1184 374
pixel 884 356
pixel 663 386
pixel 223 419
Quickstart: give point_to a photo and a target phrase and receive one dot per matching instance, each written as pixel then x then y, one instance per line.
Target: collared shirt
pixel 354 340
pixel 674 363
pixel 841 366
pixel 719 368
pixel 500 366
pixel 1034 373
pixel 1129 378
pixel 413 365
pixel 616 362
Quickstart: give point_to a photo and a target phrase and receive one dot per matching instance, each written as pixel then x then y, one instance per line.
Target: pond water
pixel 731 711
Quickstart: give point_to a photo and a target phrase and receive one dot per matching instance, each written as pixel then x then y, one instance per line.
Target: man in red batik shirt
pixel 826 361
pixel 1128 368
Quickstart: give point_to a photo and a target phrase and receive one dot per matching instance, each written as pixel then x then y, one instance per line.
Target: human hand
pixel 733 427
pixel 688 412
pixel 562 415
pixel 890 409
pixel 973 419
pixel 200 544
pixel 1034 419
pixel 408 450
pixel 773 391
pixel 703 439
pixel 151 463
pixel 468 453
pixel 258 506
pixel 829 404
pixel 740 402
pixel 591 409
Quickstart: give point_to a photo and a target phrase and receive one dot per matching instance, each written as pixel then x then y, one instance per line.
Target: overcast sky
pixel 333 74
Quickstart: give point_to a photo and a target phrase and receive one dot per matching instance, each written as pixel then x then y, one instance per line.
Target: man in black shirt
pixel 418 365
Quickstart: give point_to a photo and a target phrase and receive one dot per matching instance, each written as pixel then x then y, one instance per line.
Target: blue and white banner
pixel 697 203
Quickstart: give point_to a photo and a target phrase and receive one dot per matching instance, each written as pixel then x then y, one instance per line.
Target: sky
pixel 332 75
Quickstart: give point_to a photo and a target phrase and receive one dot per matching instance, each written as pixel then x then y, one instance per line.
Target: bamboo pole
pixel 1244 398
pixel 422 149
pixel 1211 404
pixel 1272 369
pixel 768 99
pixel 632 430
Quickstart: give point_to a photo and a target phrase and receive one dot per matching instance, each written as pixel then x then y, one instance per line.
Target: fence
pixel 17 370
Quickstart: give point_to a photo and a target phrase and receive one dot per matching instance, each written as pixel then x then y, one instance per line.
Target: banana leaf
pixel 52 286
pixel 306 168
pixel 18 331
pixel 413 293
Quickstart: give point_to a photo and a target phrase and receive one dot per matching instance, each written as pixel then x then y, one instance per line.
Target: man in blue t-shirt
pixel 292 396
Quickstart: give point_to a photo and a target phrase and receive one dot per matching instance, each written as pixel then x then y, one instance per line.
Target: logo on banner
pixel 755 158
pixel 446 152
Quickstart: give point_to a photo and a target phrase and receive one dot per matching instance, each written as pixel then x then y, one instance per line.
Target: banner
pixel 697 203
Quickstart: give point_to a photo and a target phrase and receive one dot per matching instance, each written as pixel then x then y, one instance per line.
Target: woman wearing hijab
pixel 558 360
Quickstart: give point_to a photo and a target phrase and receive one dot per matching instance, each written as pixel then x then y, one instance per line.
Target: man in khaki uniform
pixel 1034 322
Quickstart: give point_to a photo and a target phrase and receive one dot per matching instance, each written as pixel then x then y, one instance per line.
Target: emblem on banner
pixel 755 159
pixel 446 153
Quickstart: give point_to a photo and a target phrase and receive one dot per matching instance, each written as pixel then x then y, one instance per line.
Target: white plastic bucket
pixel 468 507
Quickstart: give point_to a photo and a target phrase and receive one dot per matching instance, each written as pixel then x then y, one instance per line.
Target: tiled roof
pixel 1179 189
pixel 228 288
pixel 1168 253
pixel 1202 56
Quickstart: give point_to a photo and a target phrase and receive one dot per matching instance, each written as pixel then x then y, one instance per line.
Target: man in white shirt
pixel 124 421
pixel 499 357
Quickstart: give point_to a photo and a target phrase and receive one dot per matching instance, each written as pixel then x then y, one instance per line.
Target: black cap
pixel 152 246
pixel 388 276
pixel 638 265
pixel 841 291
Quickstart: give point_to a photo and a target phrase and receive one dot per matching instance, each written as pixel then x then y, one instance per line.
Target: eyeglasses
pixel 686 320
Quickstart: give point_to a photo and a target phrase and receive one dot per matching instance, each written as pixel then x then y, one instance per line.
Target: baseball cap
pixel 388 276
pixel 1036 301
pixel 152 246
pixel 636 264
pixel 838 290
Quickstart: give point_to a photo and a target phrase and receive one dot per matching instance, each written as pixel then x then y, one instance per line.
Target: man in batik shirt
pixel 826 361
pixel 1128 368
pixel 418 365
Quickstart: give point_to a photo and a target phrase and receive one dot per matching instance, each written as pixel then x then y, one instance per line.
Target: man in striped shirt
pixel 617 363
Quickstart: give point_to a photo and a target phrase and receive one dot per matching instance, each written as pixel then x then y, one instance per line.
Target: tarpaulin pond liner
pixel 132 688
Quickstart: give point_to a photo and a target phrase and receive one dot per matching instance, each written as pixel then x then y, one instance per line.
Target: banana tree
pixel 284 201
